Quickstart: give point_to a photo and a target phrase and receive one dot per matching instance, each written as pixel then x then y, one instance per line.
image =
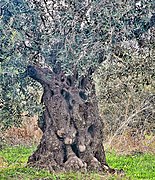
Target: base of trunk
pixel 67 158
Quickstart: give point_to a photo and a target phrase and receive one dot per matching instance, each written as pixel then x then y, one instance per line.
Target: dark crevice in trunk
pixel 75 149
pixel 65 154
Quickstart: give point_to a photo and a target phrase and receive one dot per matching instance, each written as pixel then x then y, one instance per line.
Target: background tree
pixel 73 38
pixel 126 89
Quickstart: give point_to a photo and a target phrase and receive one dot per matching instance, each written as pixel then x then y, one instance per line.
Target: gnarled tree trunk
pixel 72 128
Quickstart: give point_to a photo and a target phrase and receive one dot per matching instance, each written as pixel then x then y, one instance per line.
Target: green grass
pixel 139 166
pixel 13 166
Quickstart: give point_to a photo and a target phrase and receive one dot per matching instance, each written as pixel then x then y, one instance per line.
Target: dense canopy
pixel 75 35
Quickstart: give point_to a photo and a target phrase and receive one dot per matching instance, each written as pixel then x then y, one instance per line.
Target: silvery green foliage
pixel 86 30
pixel 16 95
pixel 77 34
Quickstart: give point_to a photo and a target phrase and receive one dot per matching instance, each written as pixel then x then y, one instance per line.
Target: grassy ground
pixel 13 166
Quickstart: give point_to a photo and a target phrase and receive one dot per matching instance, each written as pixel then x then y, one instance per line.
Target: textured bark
pixel 72 128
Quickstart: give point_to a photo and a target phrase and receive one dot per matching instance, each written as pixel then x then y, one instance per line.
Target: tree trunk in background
pixel 72 128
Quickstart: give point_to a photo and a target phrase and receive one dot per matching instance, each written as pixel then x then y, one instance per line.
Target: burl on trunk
pixel 72 128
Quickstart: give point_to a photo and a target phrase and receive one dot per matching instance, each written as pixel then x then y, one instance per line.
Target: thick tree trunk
pixel 72 128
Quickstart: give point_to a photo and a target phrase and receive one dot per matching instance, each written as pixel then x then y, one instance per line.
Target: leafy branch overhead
pixel 85 31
